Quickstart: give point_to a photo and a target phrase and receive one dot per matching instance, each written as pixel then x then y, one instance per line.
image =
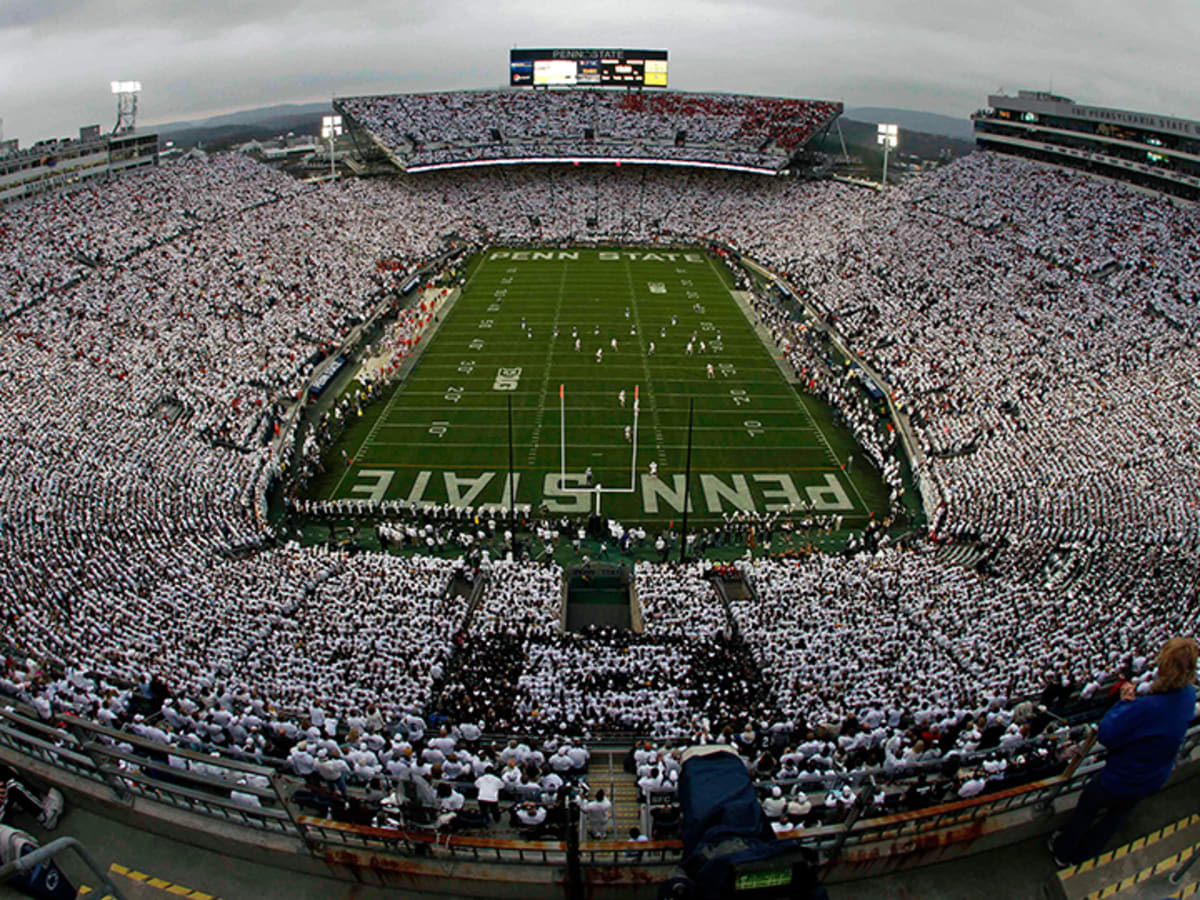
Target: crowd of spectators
pixel 467 126
pixel 1037 327
pixel 60 238
pixel 516 669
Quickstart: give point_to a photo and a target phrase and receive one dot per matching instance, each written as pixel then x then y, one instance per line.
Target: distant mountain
pixel 914 120
pixel 253 117
pixel 224 131
pixel 861 143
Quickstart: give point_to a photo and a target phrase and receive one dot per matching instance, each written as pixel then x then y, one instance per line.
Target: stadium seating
pixel 454 128
pixel 1038 326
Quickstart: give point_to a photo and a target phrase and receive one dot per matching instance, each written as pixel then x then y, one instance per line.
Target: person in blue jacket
pixel 1143 736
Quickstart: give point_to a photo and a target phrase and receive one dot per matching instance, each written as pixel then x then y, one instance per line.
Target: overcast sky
pixel 202 57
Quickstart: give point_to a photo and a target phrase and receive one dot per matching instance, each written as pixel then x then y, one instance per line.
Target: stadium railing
pixel 192 791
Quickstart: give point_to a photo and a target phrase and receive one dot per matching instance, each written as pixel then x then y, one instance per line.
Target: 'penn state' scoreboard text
pixel 549 68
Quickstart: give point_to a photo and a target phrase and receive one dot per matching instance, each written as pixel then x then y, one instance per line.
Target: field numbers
pixel 495 307
pixel 510 271
pixel 467 366
pixel 740 397
pixel 707 326
pixel 500 293
pixel 686 282
pixel 506 281
pixel 476 344
pixel 438 428
pixel 753 427
pixel 727 369
pixel 716 346
pixel 453 394
pixel 506 380
pixel 485 323
pixel 656 287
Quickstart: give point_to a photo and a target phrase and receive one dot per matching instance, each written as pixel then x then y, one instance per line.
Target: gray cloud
pixel 195 58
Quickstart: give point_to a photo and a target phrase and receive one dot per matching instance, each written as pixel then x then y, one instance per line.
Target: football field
pixel 562 333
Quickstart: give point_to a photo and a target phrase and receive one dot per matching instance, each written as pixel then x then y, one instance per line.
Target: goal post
pixel 597 489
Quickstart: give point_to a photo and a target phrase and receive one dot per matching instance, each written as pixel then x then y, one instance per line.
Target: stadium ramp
pixel 1139 870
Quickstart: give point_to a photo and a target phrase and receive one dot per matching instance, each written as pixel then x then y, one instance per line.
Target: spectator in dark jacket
pixel 1143 736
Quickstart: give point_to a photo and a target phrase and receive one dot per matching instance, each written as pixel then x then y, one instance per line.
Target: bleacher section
pixel 464 128
pixel 1055 405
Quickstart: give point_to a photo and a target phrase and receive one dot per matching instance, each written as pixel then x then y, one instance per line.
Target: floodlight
pixel 331 129
pixel 889 137
pixel 126 93
pixel 331 126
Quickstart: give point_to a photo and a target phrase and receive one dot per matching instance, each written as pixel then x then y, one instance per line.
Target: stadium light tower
pixel 889 136
pixel 127 97
pixel 331 130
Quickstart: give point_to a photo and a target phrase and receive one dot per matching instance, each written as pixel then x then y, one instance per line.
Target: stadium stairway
pixel 607 770
pixel 136 885
pixel 964 554
pixel 1138 870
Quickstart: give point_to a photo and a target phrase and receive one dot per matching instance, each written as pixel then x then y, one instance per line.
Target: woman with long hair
pixel 1143 735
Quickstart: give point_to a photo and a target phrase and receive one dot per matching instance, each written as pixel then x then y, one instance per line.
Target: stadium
pixel 566 429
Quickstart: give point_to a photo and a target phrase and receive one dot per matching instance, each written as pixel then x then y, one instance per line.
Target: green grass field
pixel 758 444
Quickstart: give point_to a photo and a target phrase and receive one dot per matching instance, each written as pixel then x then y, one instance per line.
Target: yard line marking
pixel 804 408
pixel 766 415
pixel 659 444
pixel 479 385
pixel 483 467
pixel 370 435
pixel 399 389
pixel 746 449
pixel 804 429
pixel 829 449
pixel 670 378
pixel 688 369
pixel 536 440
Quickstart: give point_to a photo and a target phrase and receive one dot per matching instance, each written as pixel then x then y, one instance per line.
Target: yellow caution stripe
pixel 1124 850
pixel 1162 867
pixel 177 890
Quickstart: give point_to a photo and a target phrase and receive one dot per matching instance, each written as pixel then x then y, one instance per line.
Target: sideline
pixel 401 379
pixel 930 496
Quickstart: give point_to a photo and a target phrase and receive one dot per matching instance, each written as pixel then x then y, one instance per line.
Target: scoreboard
pixel 550 68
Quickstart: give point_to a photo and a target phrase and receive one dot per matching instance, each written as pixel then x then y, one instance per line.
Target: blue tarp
pixel 726 834
pixel 719 802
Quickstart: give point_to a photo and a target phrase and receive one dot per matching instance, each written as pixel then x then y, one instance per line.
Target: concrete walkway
pixel 182 864
pixel 1023 871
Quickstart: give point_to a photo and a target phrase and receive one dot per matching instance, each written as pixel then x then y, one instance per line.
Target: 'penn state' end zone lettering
pixel 648 256
pixel 715 494
pixel 527 255
pixel 602 255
